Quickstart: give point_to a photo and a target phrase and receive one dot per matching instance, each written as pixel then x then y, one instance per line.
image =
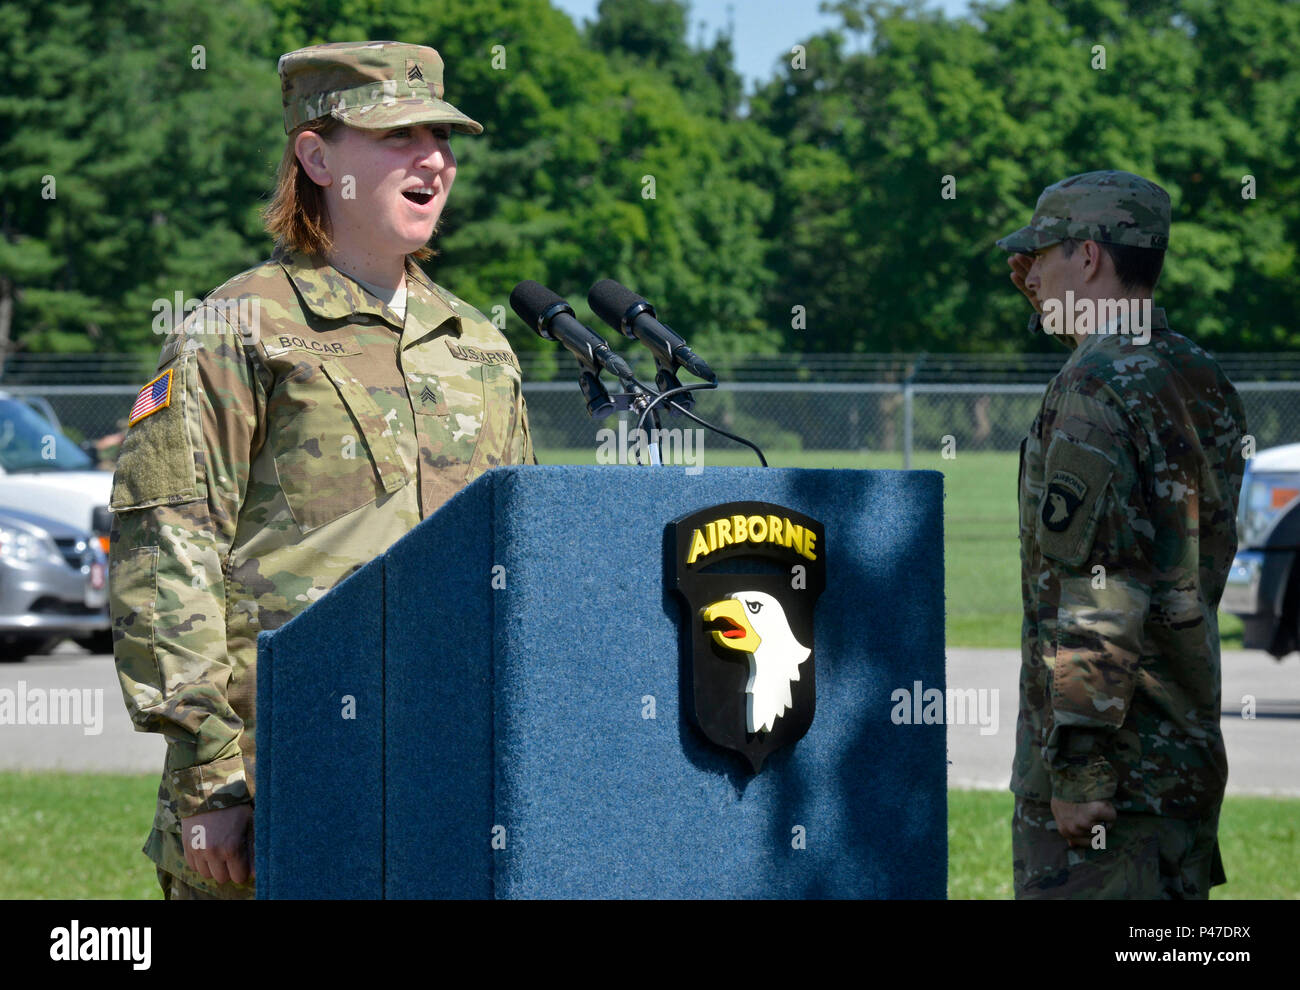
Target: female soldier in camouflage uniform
pixel 310 413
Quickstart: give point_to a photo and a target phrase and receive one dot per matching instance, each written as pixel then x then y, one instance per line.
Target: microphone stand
pixel 644 400
pixel 637 404
pixel 635 398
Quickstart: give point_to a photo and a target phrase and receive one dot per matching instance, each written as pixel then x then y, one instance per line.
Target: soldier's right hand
pixel 217 843
pixel 1020 265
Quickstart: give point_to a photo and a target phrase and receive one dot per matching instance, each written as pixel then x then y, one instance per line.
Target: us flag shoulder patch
pixel 154 396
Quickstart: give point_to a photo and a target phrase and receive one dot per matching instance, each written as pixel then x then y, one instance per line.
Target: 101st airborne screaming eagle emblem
pixel 751 574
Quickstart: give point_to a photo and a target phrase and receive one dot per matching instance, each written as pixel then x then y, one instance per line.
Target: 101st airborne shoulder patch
pixel 1065 493
pixel 1075 480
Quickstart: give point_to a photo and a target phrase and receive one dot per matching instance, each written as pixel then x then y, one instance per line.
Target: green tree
pixel 854 208
pixel 133 163
pixel 1194 95
pixel 590 166
pixel 653 34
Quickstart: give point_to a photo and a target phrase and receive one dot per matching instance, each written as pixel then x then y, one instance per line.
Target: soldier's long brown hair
pixel 296 216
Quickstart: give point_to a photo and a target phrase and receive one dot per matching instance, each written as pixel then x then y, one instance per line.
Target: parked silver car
pixel 53 586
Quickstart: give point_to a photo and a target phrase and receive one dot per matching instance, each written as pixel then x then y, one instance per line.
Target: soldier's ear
pixel 1092 259
pixel 310 149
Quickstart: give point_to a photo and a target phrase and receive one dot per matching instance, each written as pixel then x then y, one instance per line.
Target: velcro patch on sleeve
pixel 156 464
pixel 1075 484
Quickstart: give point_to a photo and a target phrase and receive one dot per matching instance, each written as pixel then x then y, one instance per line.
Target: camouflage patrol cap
pixel 1109 207
pixel 372 85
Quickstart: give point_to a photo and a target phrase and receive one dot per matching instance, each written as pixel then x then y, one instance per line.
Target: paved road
pixel 117 748
pixel 1263 753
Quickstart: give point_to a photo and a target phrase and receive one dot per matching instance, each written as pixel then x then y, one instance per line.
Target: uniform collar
pixel 331 295
pixel 430 305
pixel 1158 322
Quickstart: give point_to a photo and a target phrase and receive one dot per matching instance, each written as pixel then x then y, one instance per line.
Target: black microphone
pixel 632 316
pixel 553 319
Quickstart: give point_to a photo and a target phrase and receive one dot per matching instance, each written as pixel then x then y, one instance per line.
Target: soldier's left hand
pixel 1075 821
pixel 219 844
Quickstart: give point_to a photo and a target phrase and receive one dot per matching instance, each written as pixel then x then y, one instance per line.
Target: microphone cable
pixel 667 396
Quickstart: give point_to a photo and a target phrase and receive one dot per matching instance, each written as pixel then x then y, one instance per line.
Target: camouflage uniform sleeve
pixel 523 438
pixel 1090 531
pixel 177 492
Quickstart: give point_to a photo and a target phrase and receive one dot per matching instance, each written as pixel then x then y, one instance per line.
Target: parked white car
pixel 55 496
pixel 43 471
pixel 1264 584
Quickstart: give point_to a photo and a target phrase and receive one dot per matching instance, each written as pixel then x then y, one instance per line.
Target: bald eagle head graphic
pixel 753 623
pixel 1059 508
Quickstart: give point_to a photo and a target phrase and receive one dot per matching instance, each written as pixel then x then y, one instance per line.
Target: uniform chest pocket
pixel 501 387
pixel 334 450
pixel 467 419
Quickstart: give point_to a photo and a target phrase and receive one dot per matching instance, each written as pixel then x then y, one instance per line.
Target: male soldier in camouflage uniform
pixel 1129 481
pixel 300 423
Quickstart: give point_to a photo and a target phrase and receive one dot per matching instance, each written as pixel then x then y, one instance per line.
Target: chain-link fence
pixel 877 417
pixel 781 417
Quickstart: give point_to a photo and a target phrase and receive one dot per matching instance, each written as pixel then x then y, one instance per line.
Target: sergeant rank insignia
pixel 751 574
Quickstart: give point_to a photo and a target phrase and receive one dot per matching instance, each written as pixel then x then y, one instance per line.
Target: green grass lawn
pixel 981 545
pixel 76 836
pixel 79 836
pixel 1259 839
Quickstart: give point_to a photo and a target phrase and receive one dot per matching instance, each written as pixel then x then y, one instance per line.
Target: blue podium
pixel 498 706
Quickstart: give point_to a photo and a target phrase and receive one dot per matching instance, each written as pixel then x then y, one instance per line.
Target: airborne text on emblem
pixel 751 682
